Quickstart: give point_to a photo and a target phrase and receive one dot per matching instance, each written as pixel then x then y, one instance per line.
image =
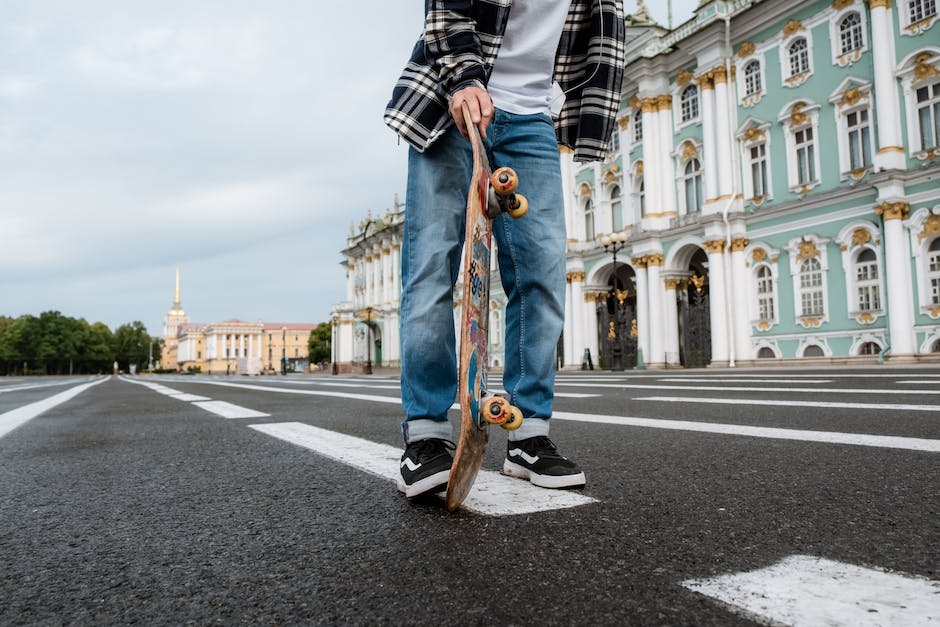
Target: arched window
pixel 616 209
pixel 921 9
pixel 928 115
pixel 850 33
pixel 589 220
pixel 811 288
pixel 689 103
pixel 813 350
pixel 765 293
pixel 641 198
pixel 798 53
pixel 933 271
pixel 692 181
pixel 766 353
pixel 867 283
pixel 752 80
pixel 869 348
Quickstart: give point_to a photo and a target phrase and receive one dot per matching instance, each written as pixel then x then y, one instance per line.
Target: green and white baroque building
pixel 772 195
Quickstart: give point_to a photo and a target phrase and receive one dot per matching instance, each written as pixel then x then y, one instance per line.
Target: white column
pixel 577 311
pixel 739 291
pixel 900 298
pixel 716 297
pixel 589 311
pixel 671 321
pixel 667 182
pixel 711 164
pixel 890 153
pixel 651 142
pixel 724 172
pixel 642 306
pixel 570 358
pixel 657 352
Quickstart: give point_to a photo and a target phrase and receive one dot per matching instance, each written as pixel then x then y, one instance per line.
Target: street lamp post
pixel 368 369
pixel 614 243
pixel 283 350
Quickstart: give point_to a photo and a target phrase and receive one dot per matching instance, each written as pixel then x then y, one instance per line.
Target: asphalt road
pixel 142 500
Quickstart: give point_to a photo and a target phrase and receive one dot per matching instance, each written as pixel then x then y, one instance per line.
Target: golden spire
pixel 176 294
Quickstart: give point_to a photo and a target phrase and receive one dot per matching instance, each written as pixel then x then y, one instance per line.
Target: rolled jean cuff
pixel 531 427
pixel 425 429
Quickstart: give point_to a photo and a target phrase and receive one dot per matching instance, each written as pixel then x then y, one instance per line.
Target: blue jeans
pixel 531 263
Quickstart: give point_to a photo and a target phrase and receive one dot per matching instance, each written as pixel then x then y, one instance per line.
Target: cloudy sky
pixel 235 139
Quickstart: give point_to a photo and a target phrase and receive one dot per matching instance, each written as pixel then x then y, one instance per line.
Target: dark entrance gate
pixel 616 322
pixel 695 338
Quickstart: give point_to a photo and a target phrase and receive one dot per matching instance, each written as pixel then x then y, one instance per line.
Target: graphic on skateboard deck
pixel 489 195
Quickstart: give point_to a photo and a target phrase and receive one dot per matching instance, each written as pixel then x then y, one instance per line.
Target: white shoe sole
pixel 543 481
pixel 425 485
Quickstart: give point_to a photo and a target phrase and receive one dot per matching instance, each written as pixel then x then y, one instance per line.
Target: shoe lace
pixel 545 447
pixel 433 447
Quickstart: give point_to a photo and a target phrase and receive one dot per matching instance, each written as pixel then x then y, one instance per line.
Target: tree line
pixel 55 344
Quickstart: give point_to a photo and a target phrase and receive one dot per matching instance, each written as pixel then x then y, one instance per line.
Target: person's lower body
pixel 531 258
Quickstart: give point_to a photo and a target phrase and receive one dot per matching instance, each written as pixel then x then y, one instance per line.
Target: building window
pixel 641 197
pixel 921 9
pixel 637 127
pixel 933 271
pixel 928 115
pixel 867 283
pixel 752 80
pixel 765 294
pixel 811 288
pixel 689 104
pixel 616 209
pixel 851 33
pixel 766 353
pixel 588 220
pixel 692 183
pixel 805 155
pixel 615 140
pixel 869 348
pixel 798 55
pixel 813 350
pixel 859 135
pixel 758 157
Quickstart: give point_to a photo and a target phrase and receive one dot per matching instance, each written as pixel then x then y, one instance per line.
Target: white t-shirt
pixel 521 81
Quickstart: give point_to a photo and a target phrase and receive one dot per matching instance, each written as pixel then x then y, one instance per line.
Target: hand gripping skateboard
pixel 489 195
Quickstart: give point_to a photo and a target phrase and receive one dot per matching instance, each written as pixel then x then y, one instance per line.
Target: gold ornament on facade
pixel 575 277
pixel 934 312
pixel 883 4
pixel 623 122
pixel 807 250
pixel 705 81
pixel 754 134
pixel 622 296
pixel 739 244
pixel 893 210
pixel 639 168
pixel 611 331
pixel 931 227
pixel 689 151
pixel 746 49
pixel 698 282
pixel 922 69
pixel 865 318
pixel 759 255
pixel 838 5
pixel 811 322
pixel 719 75
pixel 656 259
pixel 763 325
pixel 851 97
pixel 649 105
pixel 672 283
pixel 683 78
pixel 860 236
pixel 664 102
pixel 635 103
pixel 714 246
pixel 633 330
pixel 797 117
pixel 638 262
pixel 792 27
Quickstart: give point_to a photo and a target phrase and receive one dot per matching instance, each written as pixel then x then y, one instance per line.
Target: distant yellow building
pixel 233 346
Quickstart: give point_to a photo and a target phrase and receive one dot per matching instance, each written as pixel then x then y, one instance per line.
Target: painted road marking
pixel 737 380
pixel 789 403
pixel 13 419
pixel 805 590
pixel 725 388
pixel 228 410
pixel 35 386
pixel 827 437
pixel 189 398
pixel 493 494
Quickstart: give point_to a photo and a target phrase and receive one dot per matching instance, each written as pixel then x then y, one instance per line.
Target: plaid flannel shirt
pixel 460 43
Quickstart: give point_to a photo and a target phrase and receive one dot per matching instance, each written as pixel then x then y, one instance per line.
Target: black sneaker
pixel 538 460
pixel 425 466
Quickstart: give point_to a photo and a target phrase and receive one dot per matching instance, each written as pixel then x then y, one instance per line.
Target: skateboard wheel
pixel 496 410
pixel 504 181
pixel 515 419
pixel 520 206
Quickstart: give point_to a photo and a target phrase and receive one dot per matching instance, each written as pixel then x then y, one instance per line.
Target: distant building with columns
pixel 771 196
pixel 233 346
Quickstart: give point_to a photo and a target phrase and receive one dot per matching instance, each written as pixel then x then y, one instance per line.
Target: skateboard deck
pixel 477 407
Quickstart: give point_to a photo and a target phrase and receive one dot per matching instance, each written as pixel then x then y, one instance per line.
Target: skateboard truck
pixel 502 196
pixel 496 410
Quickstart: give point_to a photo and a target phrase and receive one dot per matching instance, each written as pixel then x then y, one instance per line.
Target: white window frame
pixel 790 78
pixel 680 107
pixel 910 83
pixel 813 341
pixel 844 59
pixel 768 260
pixel 794 247
pixel 921 239
pixel 615 202
pixel 853 239
pixel 638 189
pixel 915 27
pixel 791 127
pixel 760 135
pixel 636 129
pixel 852 96
pixel 589 210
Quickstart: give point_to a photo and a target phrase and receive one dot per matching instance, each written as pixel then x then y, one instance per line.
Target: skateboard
pixel 490 193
